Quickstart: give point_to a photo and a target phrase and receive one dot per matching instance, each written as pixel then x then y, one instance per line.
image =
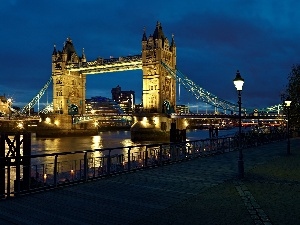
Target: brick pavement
pixel 199 191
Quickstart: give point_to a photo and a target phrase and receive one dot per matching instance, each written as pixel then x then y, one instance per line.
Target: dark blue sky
pixel 214 39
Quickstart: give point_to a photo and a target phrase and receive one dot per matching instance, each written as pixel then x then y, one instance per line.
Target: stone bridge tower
pixel 159 87
pixel 153 122
pixel 69 95
pixel 68 87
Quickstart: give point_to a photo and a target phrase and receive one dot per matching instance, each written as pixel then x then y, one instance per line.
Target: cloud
pixel 213 38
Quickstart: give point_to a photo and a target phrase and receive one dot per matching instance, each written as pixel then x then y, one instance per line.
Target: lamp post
pixel 9 103
pixel 288 104
pixel 238 82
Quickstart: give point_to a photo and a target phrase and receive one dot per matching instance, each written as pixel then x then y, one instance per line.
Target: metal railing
pixel 58 169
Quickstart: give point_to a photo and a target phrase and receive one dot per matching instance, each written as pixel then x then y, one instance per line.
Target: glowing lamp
pixel 288 102
pixel 238 81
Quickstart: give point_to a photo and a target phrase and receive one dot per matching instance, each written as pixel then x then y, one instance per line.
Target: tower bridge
pixel 69 71
pixel 159 74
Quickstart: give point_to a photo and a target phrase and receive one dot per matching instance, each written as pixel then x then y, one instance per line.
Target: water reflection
pixel 96 142
pixel 43 167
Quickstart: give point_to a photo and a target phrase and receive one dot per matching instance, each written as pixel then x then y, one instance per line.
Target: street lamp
pixel 238 82
pixel 288 104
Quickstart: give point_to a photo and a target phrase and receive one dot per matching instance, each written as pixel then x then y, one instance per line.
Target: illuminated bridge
pixel 135 63
pixel 160 76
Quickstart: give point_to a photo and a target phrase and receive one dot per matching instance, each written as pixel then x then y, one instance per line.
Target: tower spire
pixel 83 58
pixel 54 50
pixel 144 35
pixel 173 41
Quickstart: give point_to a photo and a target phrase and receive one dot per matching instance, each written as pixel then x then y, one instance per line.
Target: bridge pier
pixel 58 125
pixel 154 127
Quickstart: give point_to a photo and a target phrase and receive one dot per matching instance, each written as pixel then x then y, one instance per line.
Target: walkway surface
pixel 200 191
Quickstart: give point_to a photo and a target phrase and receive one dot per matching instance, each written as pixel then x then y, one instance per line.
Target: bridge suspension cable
pixel 211 99
pixel 47 109
pixel 199 92
pixel 36 98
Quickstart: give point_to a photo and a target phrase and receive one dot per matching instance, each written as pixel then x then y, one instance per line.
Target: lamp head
pixel 238 81
pixel 288 102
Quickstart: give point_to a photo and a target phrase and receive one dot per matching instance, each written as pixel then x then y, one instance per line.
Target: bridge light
pixel 48 120
pixel 155 120
pixel 20 125
pixel 144 121
pixel 96 123
pixel 186 123
pixel 56 122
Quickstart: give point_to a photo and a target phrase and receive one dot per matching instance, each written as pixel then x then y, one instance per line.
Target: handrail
pixel 52 170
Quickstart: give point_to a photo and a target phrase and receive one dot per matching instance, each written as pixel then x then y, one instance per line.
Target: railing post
pixel 128 159
pixel 108 162
pixel 160 154
pixel 44 177
pixel 85 167
pixel 2 165
pixel 17 163
pixel 55 170
pixel 26 160
pixel 146 157
pixel 183 149
pixel 8 178
pixel 193 149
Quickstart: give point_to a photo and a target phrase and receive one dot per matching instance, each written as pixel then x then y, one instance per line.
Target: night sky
pixel 260 38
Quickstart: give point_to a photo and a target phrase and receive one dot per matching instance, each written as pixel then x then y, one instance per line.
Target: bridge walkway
pixel 199 191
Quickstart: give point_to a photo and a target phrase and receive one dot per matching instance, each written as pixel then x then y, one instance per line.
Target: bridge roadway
pixel 225 116
pixel 149 196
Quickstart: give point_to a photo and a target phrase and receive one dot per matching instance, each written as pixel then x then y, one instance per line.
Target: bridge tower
pixel 69 93
pixel 159 88
pixel 68 86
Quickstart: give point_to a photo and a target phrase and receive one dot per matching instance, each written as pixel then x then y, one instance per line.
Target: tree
pixel 293 91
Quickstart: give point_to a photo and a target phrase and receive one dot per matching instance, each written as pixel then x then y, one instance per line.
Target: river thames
pixel 108 139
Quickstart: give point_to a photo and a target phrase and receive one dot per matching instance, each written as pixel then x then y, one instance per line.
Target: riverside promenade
pixel 198 191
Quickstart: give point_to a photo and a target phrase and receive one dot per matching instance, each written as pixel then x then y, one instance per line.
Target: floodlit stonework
pixel 159 87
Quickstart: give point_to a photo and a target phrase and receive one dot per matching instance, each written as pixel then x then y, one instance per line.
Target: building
pixel 182 109
pixel 108 113
pixel 126 99
pixel 5 106
pixel 102 105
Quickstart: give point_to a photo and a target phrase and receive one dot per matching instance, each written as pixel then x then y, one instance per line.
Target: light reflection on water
pixel 111 139
pixel 103 140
